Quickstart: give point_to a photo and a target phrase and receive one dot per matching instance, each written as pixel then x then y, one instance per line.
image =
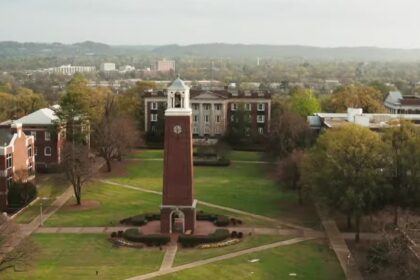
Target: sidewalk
pixel 344 256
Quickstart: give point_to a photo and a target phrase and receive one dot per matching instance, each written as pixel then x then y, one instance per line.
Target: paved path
pixel 27 229
pixel 345 258
pixel 169 257
pixel 220 258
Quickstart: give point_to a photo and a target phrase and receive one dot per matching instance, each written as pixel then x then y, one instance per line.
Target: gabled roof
pixel 394 97
pixel 178 84
pixel 44 116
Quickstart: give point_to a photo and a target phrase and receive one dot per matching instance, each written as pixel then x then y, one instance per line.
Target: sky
pixel 324 23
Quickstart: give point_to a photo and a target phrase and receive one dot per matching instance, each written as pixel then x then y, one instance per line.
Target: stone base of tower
pixel 177 218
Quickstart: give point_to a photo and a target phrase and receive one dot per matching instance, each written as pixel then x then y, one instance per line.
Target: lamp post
pixel 41 222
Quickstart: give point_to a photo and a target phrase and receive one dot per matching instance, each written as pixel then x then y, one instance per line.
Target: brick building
pixel 17 161
pixel 214 110
pixel 49 137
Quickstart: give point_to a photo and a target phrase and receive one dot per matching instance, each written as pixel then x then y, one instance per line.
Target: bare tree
pixel 78 166
pixel 113 135
pixel 288 171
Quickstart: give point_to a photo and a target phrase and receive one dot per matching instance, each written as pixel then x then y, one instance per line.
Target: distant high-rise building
pixel 107 66
pixel 165 65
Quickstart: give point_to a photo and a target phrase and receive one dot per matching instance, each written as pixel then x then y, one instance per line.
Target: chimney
pixel 16 128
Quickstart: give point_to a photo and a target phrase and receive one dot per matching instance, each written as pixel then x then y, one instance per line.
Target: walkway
pixel 344 256
pixel 220 258
pixel 169 257
pixel 232 161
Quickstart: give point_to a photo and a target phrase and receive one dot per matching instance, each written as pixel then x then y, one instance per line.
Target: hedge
pixel 140 220
pixel 134 235
pixel 20 194
pixel 193 240
pixel 218 220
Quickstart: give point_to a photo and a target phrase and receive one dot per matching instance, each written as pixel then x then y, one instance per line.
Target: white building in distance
pixel 127 68
pixel 107 66
pixel 69 69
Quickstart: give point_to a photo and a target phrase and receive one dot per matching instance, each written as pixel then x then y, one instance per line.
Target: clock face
pixel 177 129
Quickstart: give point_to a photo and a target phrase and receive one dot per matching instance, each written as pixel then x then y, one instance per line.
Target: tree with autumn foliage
pixel 345 171
pixel 354 96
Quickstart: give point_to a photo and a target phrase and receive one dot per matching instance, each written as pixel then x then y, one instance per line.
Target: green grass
pixel 79 256
pixel 116 203
pixel 184 256
pixel 309 260
pixel 245 156
pixel 49 187
pixel 147 154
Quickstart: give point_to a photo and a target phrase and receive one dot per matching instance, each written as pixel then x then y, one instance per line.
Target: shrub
pixel 20 194
pixel 193 240
pixel 240 235
pixel 113 234
pixel 140 220
pixel 221 221
pixel 215 162
pixel 233 234
pixel 120 233
pixel 134 235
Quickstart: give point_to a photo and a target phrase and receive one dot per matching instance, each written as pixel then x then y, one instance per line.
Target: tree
pixel 304 103
pixel 403 143
pixel 355 96
pixel 345 171
pixel 113 135
pixel 289 131
pixel 239 129
pixel 288 171
pixel 78 166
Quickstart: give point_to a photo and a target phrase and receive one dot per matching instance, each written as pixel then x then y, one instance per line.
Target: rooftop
pixel 45 116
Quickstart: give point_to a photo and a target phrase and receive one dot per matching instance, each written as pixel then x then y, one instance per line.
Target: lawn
pixel 79 256
pixel 233 155
pixel 309 260
pixel 116 203
pixel 49 187
pixel 184 256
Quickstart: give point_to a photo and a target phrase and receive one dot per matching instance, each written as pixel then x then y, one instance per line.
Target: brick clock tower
pixel 177 214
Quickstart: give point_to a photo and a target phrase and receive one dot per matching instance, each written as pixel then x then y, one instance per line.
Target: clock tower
pixel 178 204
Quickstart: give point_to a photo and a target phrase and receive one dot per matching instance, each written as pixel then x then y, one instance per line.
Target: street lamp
pixel 41 222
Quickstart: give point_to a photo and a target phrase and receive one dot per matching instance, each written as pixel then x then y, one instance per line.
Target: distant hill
pixel 214 50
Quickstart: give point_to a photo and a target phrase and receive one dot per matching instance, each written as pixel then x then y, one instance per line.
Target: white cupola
pixel 178 95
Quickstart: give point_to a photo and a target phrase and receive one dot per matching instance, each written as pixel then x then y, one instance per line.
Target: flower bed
pixel 219 244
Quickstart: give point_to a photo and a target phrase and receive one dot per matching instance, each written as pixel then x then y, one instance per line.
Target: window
pixel 196 106
pixel 217 130
pixel 207 107
pixel 248 106
pixel 153 117
pixel 261 130
pixel 154 128
pixel 29 151
pixel 47 136
pixel 217 118
pixel 206 130
pixel 218 107
pixel 260 119
pixel 195 130
pixel 232 118
pixel 47 151
pixel 233 107
pixel 154 106
pixel 30 168
pixel 195 118
pixel 9 161
pixel 36 151
pixel 207 118
pixel 261 106
pixel 33 133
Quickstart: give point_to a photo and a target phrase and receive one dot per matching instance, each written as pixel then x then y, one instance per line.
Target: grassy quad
pixel 309 260
pixel 79 256
pixel 187 255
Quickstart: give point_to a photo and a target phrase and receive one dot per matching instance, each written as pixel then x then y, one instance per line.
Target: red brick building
pixel 17 161
pixel 49 137
pixel 213 111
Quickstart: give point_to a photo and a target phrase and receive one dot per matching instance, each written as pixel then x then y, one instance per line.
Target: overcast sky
pixel 383 23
